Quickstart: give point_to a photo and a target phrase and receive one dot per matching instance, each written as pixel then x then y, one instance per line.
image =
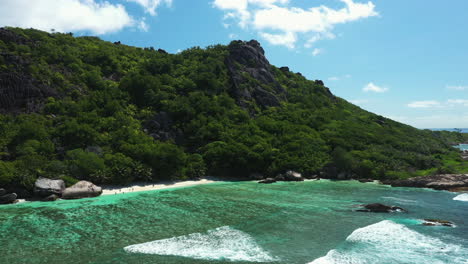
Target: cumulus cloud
pixel 371 87
pixel 65 15
pixel 424 104
pixel 275 19
pixel 150 6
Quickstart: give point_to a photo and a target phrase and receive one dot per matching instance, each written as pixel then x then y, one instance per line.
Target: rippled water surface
pixel 245 222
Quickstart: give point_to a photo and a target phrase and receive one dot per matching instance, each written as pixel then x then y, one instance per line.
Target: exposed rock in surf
pixel 267 181
pixel 438 222
pixel 45 187
pixel 438 182
pixel 82 189
pixel 50 198
pixel 8 198
pixel 293 176
pixel 380 208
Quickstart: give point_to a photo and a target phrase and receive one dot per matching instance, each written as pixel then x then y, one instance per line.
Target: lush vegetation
pixel 118 114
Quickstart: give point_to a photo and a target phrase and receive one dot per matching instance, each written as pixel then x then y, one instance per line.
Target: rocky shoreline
pixel 47 190
pixel 449 182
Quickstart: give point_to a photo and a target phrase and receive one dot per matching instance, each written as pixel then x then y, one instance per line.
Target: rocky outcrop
pixel 8 198
pixel 289 176
pixel 82 189
pixel 44 187
pixel 380 208
pixel 267 181
pixel 2 191
pixel 438 182
pixel 438 222
pixel 252 76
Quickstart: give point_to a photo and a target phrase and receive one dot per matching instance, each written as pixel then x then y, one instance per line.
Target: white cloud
pixel 424 104
pixel 66 15
pixel 457 102
pixel 371 87
pixel 457 87
pixel 287 39
pixel 232 36
pixel 143 26
pixel 316 52
pixel 334 78
pixel 150 6
pixel 275 18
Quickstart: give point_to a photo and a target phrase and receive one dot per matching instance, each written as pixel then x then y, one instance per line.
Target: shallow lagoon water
pixel 240 222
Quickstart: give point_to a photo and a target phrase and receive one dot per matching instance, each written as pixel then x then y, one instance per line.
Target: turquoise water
pixel 462 146
pixel 243 222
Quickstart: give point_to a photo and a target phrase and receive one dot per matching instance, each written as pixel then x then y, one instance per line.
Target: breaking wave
pixel 387 242
pixel 462 197
pixel 223 243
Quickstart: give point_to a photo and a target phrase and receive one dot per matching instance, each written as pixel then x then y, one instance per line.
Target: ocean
pixel 240 222
pixel 461 130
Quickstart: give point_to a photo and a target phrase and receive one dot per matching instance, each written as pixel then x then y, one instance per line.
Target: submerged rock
pixel 45 187
pixel 380 208
pixel 438 222
pixel 8 198
pixel 267 180
pixel 82 189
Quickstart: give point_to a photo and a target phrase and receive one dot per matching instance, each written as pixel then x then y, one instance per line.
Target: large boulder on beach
pixel 438 182
pixel 44 187
pixel 380 208
pixel 8 198
pixel 293 176
pixel 82 189
pixel 2 191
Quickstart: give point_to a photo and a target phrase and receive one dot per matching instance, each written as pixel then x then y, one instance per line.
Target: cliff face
pixel 252 76
pixel 19 91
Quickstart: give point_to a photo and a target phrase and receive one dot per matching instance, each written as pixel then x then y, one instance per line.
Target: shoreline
pixel 144 186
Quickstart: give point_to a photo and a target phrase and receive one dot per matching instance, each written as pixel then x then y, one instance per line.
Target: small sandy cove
pixel 141 187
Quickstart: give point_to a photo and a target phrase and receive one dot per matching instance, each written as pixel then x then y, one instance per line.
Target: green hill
pixel 82 108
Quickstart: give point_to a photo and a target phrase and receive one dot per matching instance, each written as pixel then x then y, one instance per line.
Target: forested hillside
pixel 82 108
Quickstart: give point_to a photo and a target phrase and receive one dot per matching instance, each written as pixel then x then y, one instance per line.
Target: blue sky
pixel 406 60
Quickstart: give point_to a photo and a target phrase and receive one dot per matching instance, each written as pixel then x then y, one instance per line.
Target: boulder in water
pixel 45 187
pixel 50 198
pixel 82 189
pixel 8 198
pixel 293 176
pixel 267 181
pixel 380 208
pixel 438 222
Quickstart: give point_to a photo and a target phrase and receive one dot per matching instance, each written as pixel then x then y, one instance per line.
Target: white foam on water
pixel 389 242
pixel 223 243
pixel 462 197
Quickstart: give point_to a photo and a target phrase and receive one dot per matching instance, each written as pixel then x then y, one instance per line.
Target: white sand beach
pixel 141 187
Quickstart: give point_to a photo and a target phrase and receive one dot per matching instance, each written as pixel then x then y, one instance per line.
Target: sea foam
pixel 387 242
pixel 223 243
pixel 462 197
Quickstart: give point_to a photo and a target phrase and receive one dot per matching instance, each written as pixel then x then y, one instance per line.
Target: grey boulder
pixel 45 187
pixel 82 189
pixel 8 198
